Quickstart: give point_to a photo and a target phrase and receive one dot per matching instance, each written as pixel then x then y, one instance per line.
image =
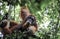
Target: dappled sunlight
pixel 47 13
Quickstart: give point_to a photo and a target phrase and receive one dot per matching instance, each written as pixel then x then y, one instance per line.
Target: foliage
pixel 47 13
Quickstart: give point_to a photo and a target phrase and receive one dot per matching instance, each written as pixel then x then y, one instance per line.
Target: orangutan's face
pixel 24 12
